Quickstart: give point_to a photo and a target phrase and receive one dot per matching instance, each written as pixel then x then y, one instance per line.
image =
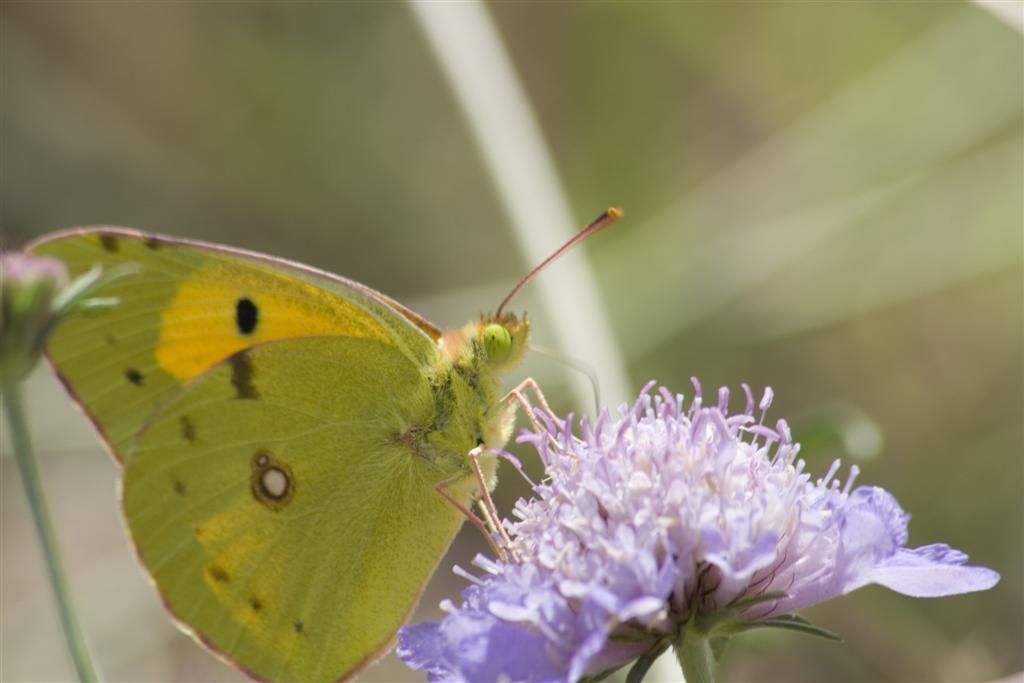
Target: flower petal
pixel 931 571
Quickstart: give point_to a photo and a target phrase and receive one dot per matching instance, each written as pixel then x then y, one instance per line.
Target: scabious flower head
pixel 666 522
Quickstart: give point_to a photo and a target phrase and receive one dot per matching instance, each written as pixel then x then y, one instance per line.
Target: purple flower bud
pixel 21 269
pixel 28 285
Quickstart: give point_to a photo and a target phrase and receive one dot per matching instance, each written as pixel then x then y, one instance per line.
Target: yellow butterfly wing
pixel 190 306
pixel 293 529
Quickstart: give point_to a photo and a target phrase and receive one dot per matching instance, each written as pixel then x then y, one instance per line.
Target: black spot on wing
pixel 134 376
pixel 255 603
pixel 179 487
pixel 242 373
pixel 188 428
pixel 299 628
pixel 247 315
pixel 153 243
pixel 109 242
pixel 218 574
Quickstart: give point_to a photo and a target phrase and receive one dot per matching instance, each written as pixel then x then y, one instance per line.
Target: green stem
pixel 693 649
pixel 41 516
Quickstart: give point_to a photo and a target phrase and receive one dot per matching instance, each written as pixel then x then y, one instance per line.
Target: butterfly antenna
pixel 575 364
pixel 603 221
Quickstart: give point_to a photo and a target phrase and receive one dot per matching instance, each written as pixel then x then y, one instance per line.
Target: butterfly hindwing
pixel 289 524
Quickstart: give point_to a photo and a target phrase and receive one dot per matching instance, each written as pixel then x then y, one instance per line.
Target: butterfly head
pixel 497 341
pixel 503 339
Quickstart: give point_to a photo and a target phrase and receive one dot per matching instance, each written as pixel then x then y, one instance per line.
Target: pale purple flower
pixel 663 518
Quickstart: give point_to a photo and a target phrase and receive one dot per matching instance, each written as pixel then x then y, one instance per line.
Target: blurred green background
pixel 825 197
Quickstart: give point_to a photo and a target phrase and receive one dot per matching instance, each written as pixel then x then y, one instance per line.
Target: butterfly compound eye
pixel 497 341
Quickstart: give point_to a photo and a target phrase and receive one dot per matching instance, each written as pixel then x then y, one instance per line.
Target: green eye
pixel 497 341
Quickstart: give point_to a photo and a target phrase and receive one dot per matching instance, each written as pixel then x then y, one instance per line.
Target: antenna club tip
pixel 610 215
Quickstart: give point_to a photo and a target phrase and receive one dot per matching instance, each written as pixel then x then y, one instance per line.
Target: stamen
pixel 459 571
pixel 697 392
pixel 782 427
pixel 516 463
pixel 854 471
pixel 723 399
pixel 831 473
pixel 749 410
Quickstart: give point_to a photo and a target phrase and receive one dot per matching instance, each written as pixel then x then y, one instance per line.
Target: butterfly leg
pixel 487 505
pixel 519 393
pixel 473 519
pixel 519 397
pixel 490 526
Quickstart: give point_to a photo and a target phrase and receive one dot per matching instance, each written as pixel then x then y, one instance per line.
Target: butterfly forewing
pixel 190 306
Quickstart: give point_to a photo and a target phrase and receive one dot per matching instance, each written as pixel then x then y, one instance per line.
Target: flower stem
pixel 44 528
pixel 693 649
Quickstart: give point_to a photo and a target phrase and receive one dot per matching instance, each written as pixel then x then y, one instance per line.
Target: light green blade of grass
pixel 505 129
pixel 902 122
pixel 1010 12
pixel 924 240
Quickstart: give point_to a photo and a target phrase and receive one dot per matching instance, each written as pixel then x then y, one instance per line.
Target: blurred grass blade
pixel 505 130
pixel 1009 12
pixel 718 250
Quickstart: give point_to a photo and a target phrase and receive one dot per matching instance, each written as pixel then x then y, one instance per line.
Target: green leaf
pixel 645 662
pixel 723 622
pixel 718 645
pixel 792 622
pixel 746 603
pixel 599 676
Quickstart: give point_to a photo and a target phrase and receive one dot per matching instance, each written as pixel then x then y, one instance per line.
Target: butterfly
pixel 298 450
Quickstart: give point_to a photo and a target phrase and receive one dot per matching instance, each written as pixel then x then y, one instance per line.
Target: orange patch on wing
pixel 200 327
